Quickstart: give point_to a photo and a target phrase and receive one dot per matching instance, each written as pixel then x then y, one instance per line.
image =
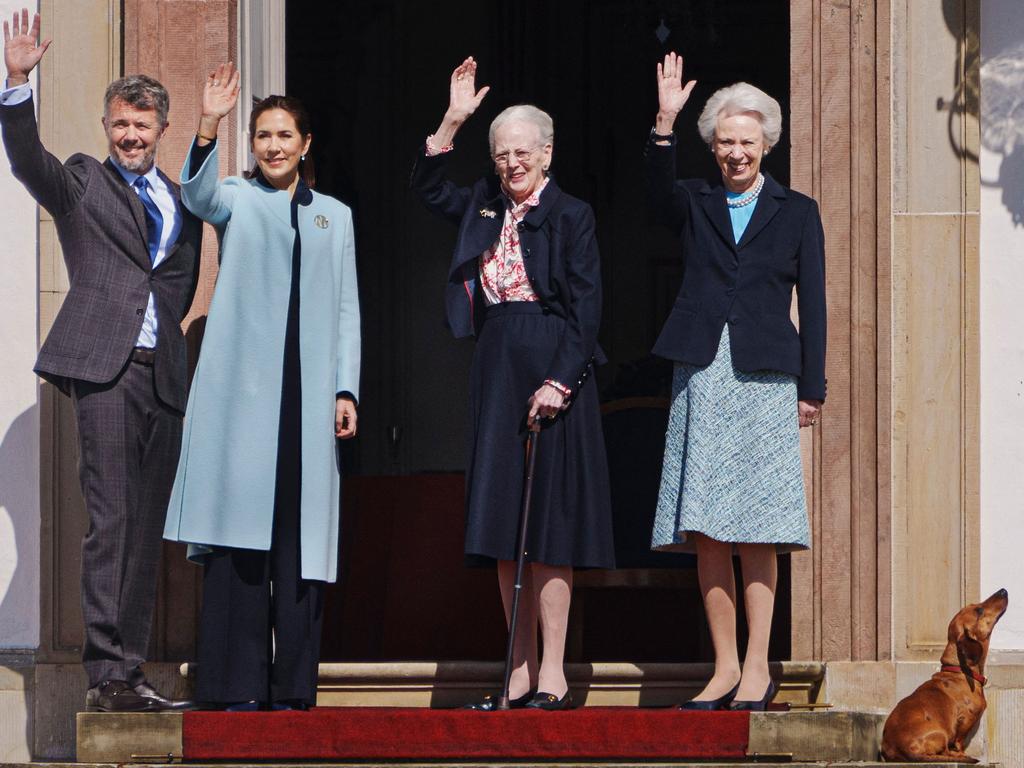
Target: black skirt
pixel 570 515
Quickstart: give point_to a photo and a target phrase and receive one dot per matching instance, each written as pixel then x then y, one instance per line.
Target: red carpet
pixel 349 733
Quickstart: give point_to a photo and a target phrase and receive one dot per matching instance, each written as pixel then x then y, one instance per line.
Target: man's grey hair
pixel 528 114
pixel 741 99
pixel 141 92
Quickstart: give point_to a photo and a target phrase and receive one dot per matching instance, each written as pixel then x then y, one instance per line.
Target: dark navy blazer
pixel 749 284
pixel 559 253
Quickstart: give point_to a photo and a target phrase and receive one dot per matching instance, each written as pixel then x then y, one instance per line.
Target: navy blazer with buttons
pixel 747 285
pixel 559 253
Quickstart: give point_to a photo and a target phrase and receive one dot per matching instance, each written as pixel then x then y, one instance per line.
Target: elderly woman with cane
pixel 745 379
pixel 525 280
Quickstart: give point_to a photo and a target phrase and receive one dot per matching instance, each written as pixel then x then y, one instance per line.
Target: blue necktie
pixel 154 219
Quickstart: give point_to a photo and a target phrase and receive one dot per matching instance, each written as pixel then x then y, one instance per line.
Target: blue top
pixel 740 216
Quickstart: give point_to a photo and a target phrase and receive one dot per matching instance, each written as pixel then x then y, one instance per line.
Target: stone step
pixel 546 764
pixel 813 737
pixel 615 684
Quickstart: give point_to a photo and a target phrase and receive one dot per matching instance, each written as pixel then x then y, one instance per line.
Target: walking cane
pixel 524 519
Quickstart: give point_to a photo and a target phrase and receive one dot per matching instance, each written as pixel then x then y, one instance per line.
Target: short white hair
pixel 527 113
pixel 741 99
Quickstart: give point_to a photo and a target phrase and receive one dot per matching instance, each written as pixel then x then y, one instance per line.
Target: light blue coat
pixel 223 493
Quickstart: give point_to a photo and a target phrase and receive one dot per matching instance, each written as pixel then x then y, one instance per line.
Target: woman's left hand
pixel 545 404
pixel 808 411
pixel 344 418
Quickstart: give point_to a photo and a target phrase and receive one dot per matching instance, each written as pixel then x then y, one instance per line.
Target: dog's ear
pixel 969 649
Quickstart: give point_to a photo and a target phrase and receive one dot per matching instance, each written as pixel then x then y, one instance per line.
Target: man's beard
pixel 140 164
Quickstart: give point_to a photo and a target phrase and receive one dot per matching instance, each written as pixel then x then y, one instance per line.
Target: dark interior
pixel 374 75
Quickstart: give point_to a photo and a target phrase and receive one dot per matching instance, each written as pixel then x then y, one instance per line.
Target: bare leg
pixel 760 573
pixel 524 652
pixel 718 586
pixel 553 588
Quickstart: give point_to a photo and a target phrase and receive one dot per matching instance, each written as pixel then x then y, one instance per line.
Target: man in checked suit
pixel 116 347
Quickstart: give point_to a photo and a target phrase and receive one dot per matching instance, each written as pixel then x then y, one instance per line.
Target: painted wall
pixel 1002 319
pixel 19 409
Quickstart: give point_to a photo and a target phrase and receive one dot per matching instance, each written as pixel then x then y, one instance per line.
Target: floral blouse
pixel 502 272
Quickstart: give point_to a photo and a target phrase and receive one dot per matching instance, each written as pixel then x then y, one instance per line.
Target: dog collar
pixel 950 668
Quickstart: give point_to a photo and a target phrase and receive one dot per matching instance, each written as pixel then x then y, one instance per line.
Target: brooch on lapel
pixel 487 213
pixel 321 221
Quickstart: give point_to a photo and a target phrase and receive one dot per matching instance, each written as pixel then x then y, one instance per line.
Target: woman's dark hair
pixel 293 107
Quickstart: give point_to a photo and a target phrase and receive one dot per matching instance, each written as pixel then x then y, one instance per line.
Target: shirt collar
pixel 130 176
pixel 531 202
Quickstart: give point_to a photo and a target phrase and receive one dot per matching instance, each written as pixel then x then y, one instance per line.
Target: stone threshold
pixel 450 684
pixel 773 736
pixel 455 764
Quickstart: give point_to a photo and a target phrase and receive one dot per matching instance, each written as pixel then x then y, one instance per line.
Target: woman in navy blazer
pixel 745 378
pixel 525 279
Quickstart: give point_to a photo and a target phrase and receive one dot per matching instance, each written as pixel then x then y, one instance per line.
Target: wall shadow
pixel 20 505
pixel 23 513
pixel 988 90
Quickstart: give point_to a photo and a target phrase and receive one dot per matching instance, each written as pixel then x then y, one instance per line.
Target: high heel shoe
pixel 550 702
pixel 490 703
pixel 756 706
pixel 722 702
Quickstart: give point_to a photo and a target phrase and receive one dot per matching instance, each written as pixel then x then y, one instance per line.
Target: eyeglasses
pixel 522 156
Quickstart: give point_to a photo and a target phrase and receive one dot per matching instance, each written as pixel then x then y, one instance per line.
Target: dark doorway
pixel 375 74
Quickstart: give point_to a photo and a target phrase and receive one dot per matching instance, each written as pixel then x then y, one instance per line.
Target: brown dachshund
pixel 931 724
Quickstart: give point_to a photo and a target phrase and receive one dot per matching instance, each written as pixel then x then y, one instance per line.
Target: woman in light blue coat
pixel 256 494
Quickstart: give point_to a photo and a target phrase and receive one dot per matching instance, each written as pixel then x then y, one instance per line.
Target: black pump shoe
pixel 756 706
pixel 550 702
pixel 711 705
pixel 490 703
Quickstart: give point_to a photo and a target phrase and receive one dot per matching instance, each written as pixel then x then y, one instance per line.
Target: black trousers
pixel 260 625
pixel 129 443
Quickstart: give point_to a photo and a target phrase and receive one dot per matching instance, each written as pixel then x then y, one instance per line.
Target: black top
pixel 559 253
pixel 747 285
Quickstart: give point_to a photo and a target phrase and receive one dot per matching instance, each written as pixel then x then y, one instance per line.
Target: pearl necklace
pixel 750 197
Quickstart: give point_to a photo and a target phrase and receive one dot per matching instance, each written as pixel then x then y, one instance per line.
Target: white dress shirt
pixel 164 199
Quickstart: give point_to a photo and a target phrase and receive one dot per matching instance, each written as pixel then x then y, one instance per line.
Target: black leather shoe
pixel 159 702
pixel 711 705
pixel 289 705
pixel 490 703
pixel 756 706
pixel 244 706
pixel 115 696
pixel 550 702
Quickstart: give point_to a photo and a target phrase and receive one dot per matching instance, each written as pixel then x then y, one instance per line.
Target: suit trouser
pixel 129 443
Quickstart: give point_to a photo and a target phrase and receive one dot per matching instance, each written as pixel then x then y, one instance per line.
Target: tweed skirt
pixel 732 467
pixel 570 516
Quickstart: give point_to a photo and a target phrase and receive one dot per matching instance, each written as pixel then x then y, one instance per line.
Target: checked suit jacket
pixel 101 225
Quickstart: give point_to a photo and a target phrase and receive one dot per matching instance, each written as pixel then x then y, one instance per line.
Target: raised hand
pixel 220 93
pixel 672 94
pixel 463 97
pixel 22 50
